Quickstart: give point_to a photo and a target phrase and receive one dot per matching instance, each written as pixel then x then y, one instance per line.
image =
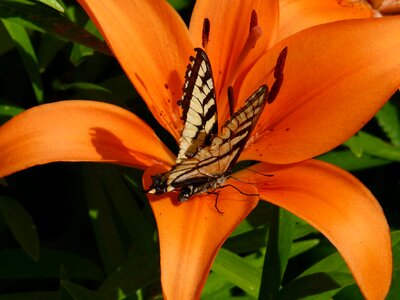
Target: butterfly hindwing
pixel 199 107
pixel 211 165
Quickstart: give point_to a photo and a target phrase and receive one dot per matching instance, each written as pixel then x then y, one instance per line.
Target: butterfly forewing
pixel 199 107
pixel 218 159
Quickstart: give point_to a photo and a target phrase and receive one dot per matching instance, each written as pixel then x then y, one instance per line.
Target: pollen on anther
pixel 206 32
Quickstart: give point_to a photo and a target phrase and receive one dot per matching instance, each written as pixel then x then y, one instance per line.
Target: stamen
pixel 255 33
pixel 278 74
pixel 253 20
pixel 205 33
pixel 231 100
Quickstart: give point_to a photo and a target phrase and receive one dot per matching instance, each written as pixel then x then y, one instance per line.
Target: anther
pixel 205 33
pixel 278 74
pixel 255 33
pixel 253 20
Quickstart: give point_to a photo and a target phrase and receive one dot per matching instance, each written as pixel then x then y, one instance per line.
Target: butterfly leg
pixel 232 186
pixel 216 202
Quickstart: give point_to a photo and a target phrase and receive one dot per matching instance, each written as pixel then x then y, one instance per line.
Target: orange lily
pixel 337 76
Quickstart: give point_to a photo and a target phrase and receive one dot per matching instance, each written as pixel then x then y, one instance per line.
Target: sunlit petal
pixel 191 233
pixel 337 76
pixel 342 208
pixel 296 15
pixel 152 45
pixel 78 131
pixel 229 30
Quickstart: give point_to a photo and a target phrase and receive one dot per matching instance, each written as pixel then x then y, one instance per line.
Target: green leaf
pixel 315 286
pixel 133 274
pixel 278 250
pixel 6 42
pixel 321 281
pixel 302 229
pixel 395 236
pixel 238 271
pixel 139 228
pixel 302 246
pixel 331 263
pixel 23 43
pixel 54 4
pixel 49 46
pixel 179 4
pixel 21 226
pixel 80 293
pixel 248 241
pixel 395 287
pixel 346 159
pixel 389 119
pixel 374 146
pixel 355 147
pixel 45 19
pixel 86 86
pixel 328 276
pixel 216 286
pixel 10 110
pixel 79 52
pixel 350 292
pixel 100 212
pixel 15 264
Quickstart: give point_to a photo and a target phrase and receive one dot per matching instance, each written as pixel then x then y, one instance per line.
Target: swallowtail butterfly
pixel 206 158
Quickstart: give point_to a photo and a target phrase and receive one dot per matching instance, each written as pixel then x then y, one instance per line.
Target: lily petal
pixel 342 208
pixel 78 131
pixel 296 15
pixel 229 29
pixel 191 233
pixel 337 76
pixel 153 46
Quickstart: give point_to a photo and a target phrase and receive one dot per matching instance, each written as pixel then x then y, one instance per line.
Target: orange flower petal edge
pixel 301 14
pixel 152 44
pixel 78 131
pixel 342 208
pixel 191 233
pixel 239 32
pixel 328 94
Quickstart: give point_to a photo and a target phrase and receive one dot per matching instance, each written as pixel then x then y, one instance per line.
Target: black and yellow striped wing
pixel 199 107
pixel 212 164
pixel 205 159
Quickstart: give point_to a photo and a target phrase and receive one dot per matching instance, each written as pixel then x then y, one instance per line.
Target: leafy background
pixel 86 231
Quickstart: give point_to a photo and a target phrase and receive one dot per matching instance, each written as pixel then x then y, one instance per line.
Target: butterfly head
pixel 186 192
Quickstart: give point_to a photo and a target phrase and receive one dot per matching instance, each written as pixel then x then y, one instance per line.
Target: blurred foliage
pixel 86 231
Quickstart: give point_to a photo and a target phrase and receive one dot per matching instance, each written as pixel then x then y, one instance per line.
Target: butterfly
pixel 206 158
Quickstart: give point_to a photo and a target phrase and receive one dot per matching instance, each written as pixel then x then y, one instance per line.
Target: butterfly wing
pixel 210 166
pixel 199 107
pixel 207 167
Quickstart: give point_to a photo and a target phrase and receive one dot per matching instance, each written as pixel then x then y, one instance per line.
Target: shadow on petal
pixel 109 146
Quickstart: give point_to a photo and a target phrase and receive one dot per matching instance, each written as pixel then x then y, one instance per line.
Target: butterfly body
pixel 206 158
